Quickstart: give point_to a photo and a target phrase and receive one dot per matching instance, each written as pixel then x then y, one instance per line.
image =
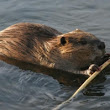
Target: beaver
pixel 77 52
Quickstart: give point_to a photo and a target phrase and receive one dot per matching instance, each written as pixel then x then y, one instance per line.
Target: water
pixel 26 90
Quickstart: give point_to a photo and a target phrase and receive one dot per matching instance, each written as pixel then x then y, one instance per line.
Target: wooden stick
pixel 60 106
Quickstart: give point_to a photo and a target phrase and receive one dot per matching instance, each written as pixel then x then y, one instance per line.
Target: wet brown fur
pixel 21 40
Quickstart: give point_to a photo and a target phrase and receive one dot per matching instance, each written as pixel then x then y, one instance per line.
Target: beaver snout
pixel 101 45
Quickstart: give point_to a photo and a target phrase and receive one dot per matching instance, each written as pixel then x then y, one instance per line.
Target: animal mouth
pixel 99 60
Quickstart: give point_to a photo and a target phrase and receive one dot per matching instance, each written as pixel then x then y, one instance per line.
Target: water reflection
pixel 94 90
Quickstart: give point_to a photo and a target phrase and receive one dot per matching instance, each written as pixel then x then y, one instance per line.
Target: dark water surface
pixel 26 90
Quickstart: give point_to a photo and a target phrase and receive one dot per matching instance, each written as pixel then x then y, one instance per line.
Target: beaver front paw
pixel 92 68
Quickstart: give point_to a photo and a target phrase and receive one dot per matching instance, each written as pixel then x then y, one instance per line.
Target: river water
pixel 26 90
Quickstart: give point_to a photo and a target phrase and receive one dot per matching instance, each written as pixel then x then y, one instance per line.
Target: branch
pixel 60 106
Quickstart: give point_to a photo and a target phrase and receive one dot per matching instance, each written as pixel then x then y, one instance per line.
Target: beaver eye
pixel 63 41
pixel 83 42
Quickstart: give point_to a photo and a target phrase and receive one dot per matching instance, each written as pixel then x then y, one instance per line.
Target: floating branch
pixel 63 104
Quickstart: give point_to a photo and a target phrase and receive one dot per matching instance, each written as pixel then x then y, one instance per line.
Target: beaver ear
pixel 63 41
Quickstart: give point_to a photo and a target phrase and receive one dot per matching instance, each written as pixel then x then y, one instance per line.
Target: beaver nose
pixel 101 45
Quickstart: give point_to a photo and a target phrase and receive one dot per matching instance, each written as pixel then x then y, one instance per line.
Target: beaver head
pixel 75 50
